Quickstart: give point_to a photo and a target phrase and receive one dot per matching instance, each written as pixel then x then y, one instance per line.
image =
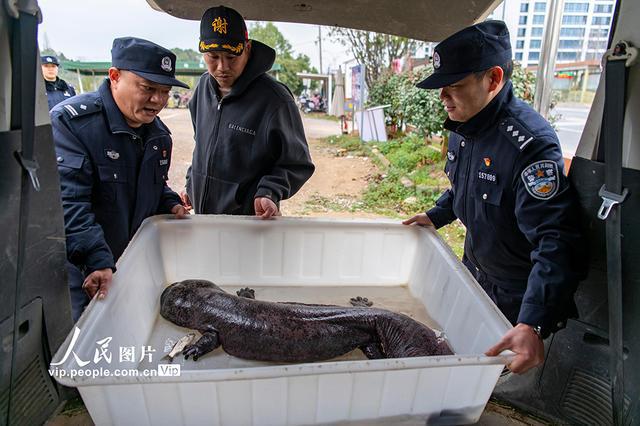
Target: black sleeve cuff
pixel 267 193
pixel 548 320
pixel 439 217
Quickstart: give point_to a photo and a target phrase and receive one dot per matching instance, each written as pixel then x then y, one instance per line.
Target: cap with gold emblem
pixel 222 29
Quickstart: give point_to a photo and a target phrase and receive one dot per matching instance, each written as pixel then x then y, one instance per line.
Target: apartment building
pixel 583 35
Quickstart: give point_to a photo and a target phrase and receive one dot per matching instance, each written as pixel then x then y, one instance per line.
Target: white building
pixel 583 34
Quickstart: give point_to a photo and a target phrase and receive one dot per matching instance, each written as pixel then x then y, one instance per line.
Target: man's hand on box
pixel 180 211
pixel 98 282
pixel 185 200
pixel 525 343
pixel 420 219
pixel 265 208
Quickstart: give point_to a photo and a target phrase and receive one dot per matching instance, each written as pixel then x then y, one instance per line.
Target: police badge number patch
pixel 541 179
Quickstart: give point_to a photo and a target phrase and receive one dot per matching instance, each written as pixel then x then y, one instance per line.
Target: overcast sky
pixel 85 29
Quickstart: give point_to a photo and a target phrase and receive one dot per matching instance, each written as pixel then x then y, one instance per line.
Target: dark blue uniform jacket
pixel 58 91
pixel 106 191
pixel 508 188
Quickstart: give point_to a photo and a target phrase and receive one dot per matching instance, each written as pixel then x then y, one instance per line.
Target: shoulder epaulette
pixel 516 132
pixel 78 109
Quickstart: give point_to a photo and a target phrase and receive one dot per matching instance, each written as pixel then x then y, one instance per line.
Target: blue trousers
pixel 506 299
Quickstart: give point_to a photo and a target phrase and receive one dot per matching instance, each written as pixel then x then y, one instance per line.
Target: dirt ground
pixel 342 178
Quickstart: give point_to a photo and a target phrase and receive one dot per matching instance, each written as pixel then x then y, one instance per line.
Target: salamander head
pixel 179 297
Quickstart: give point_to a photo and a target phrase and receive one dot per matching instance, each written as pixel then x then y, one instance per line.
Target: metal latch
pixel 31 167
pixel 30 7
pixel 623 51
pixel 610 199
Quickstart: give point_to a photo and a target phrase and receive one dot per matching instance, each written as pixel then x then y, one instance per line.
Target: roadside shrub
pixel 524 83
pixel 388 91
pixel 422 108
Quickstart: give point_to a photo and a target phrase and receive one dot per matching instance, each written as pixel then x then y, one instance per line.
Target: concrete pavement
pixel 571 121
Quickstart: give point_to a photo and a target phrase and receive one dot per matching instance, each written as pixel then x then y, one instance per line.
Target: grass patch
pixel 340 203
pixel 453 234
pixel 409 182
pixel 430 176
pixel 350 144
pixel 73 407
pixel 409 153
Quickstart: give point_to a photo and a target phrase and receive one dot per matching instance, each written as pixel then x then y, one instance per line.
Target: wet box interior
pixel 404 269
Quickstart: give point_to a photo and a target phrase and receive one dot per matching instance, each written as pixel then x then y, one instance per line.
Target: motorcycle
pixel 308 105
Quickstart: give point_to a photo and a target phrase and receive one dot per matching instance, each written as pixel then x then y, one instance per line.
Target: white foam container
pixel 246 251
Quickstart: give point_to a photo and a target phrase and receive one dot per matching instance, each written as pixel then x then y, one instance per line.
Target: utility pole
pixel 320 45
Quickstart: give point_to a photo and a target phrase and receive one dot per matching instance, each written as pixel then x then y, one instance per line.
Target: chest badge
pixel 451 155
pixel 113 154
pixel 164 153
pixel 487 161
pixel 541 179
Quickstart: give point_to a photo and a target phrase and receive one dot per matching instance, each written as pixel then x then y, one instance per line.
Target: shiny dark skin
pixel 290 332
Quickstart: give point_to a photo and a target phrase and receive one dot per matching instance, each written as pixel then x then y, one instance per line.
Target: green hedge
pixel 422 108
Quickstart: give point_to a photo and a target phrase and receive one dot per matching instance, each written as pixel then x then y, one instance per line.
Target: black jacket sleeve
pixel 193 111
pixel 293 166
pixel 546 212
pixel 86 245
pixel 169 197
pixel 442 213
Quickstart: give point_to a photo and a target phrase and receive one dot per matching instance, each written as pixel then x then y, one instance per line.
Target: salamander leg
pixel 208 342
pixel 360 301
pixel 373 351
pixel 247 292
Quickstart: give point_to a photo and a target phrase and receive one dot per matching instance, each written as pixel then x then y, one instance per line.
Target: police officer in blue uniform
pixel 508 188
pixel 113 156
pixel 57 89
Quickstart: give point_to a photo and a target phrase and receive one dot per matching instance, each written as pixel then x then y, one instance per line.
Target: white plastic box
pixel 286 259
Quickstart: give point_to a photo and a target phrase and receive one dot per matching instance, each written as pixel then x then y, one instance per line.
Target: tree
pixel 423 108
pixel 270 35
pixel 50 52
pixel 374 50
pixel 186 54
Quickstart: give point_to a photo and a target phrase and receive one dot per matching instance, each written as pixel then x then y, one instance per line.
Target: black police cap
pixel 473 49
pixel 49 59
pixel 146 59
pixel 223 29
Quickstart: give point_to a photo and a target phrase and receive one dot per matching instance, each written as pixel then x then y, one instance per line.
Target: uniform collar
pixel 117 122
pixel 486 118
pixel 58 84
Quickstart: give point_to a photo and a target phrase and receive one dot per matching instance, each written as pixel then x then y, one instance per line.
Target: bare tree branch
pixel 374 50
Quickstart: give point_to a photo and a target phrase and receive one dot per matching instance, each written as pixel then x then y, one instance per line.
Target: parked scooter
pixel 313 104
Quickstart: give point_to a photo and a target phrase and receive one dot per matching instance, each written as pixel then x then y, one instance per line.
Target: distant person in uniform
pixel 177 99
pixel 113 156
pixel 57 89
pixel 250 149
pixel 508 188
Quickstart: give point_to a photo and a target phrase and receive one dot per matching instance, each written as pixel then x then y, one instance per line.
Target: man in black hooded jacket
pixel 251 151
